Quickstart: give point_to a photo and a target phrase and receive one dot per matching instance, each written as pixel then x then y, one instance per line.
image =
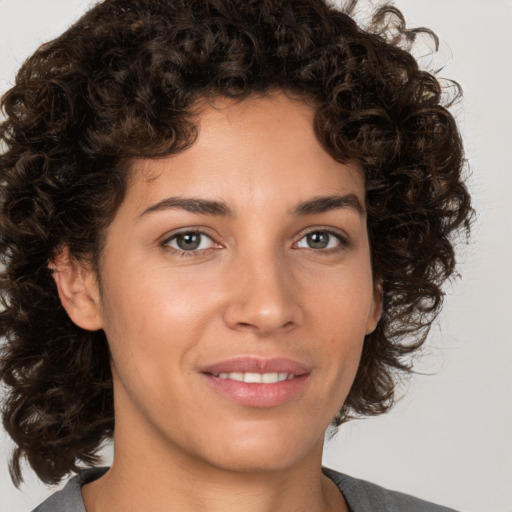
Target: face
pixel 236 291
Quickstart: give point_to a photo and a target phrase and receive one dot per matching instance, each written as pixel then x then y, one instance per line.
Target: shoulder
pixel 362 496
pixel 69 499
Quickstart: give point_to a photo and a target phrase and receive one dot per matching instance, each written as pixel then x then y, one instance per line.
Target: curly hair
pixel 121 84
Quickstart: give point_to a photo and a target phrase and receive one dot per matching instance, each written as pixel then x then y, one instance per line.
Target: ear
pixel 376 309
pixel 78 289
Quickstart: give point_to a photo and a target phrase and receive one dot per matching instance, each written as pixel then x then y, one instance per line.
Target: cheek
pixel 343 301
pixel 154 320
pixel 340 309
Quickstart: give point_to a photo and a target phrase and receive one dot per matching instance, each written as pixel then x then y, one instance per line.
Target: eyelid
pixel 166 239
pixel 339 234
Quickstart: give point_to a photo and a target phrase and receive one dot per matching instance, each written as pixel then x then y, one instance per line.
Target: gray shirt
pixel 360 495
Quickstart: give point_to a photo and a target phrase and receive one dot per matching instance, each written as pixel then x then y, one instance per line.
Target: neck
pixel 175 483
pixel 151 471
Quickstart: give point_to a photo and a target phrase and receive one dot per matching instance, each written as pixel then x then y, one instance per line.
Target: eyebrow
pixel 320 204
pixel 327 203
pixel 201 206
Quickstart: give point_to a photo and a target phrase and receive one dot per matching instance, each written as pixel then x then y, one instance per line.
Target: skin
pixel 254 287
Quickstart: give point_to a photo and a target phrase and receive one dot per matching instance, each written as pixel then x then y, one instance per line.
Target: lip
pixel 257 395
pixel 246 364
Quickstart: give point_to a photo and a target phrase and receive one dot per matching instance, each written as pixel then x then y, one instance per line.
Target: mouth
pixel 256 378
pixel 255 382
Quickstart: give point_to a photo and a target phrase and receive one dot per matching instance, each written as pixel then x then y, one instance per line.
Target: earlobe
pixel 377 309
pixel 78 290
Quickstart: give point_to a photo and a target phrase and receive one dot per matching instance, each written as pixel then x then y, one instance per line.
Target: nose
pixel 263 297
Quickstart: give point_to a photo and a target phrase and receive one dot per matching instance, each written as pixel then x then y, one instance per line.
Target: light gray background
pixel 450 439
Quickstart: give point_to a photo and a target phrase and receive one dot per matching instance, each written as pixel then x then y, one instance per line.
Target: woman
pixel 225 225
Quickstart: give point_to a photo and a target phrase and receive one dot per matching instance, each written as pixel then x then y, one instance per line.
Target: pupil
pixel 318 240
pixel 188 241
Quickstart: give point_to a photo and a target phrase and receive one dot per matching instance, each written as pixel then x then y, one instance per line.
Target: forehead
pixel 250 151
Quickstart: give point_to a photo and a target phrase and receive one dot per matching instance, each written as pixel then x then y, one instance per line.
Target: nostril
pixel 246 325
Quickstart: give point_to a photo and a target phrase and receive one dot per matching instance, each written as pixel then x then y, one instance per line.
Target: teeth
pixel 257 378
pixel 269 378
pixel 253 378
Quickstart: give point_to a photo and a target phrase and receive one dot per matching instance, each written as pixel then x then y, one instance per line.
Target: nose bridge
pixel 263 297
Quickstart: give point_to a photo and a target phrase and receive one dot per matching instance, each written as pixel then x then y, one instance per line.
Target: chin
pixel 267 450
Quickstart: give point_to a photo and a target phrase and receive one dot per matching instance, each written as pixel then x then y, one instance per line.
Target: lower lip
pixel 258 395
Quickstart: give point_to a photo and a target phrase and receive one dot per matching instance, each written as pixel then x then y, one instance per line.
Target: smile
pixel 256 378
pixel 257 382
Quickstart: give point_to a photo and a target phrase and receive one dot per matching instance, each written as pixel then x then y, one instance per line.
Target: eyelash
pixel 342 239
pixel 186 254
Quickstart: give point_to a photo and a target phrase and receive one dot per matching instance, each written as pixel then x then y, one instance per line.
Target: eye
pixel 321 240
pixel 190 241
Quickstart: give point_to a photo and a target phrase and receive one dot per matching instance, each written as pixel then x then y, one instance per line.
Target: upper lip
pixel 251 364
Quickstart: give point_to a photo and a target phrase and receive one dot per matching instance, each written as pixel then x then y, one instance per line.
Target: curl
pixel 124 83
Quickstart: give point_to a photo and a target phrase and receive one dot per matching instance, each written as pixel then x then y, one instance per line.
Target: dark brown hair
pixel 122 83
